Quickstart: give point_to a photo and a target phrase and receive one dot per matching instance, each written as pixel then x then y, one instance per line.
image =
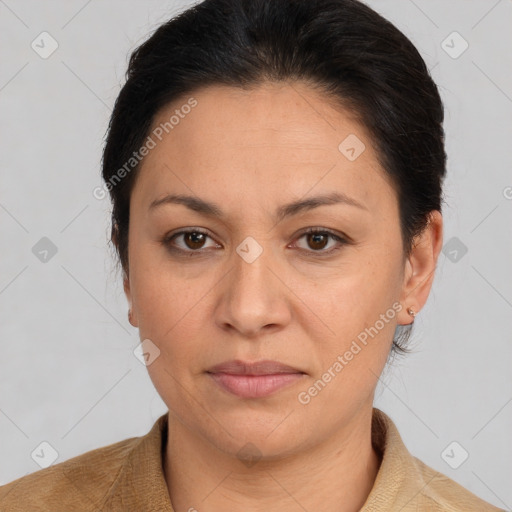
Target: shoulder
pixel 406 483
pixel 78 484
pixel 441 493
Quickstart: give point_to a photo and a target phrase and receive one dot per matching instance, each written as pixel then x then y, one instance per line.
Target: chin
pixel 254 434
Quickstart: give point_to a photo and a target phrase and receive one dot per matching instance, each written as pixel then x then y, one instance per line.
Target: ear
pixel 420 267
pixel 132 315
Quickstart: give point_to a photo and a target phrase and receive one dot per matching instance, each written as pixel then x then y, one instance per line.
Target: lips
pixel 254 380
pixel 238 367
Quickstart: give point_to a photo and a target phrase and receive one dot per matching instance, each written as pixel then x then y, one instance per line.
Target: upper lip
pixel 238 367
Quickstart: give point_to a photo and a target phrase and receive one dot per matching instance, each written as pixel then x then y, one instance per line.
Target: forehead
pixel 260 145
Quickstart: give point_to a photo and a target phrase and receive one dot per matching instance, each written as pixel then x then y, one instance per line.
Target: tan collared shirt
pixel 128 476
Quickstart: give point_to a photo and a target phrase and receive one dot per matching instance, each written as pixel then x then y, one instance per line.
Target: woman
pixel 276 170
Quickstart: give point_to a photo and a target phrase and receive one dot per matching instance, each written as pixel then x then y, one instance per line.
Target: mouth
pixel 254 380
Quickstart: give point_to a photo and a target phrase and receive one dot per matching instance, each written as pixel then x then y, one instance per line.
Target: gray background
pixel 68 375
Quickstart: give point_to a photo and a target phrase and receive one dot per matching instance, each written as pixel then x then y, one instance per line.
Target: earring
pixel 411 312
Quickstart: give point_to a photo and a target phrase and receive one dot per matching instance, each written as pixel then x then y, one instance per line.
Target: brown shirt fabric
pixel 128 476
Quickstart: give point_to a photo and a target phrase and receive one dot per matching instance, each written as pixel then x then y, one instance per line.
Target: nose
pixel 253 298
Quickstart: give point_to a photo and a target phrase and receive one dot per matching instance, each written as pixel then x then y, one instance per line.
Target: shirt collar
pixel 141 484
pixel 399 479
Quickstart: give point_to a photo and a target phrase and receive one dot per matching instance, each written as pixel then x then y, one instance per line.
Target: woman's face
pixel 248 284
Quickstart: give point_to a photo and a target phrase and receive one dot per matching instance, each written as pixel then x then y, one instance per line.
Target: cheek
pixel 168 307
pixel 368 281
pixel 171 308
pixel 360 306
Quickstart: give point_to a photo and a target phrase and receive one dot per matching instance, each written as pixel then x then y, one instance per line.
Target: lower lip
pixel 255 386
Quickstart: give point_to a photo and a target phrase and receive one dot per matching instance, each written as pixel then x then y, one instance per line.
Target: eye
pixel 193 240
pixel 318 239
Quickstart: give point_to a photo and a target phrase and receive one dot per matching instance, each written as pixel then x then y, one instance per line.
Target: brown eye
pixel 194 239
pixel 191 241
pixel 318 239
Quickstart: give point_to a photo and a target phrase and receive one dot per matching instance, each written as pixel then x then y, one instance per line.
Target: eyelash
pixel 168 239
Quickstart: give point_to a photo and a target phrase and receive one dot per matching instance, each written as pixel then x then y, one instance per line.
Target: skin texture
pixel 251 152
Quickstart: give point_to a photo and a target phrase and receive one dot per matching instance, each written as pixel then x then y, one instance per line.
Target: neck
pixel 336 476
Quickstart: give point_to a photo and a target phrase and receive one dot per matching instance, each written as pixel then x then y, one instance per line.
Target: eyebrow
pixel 210 209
